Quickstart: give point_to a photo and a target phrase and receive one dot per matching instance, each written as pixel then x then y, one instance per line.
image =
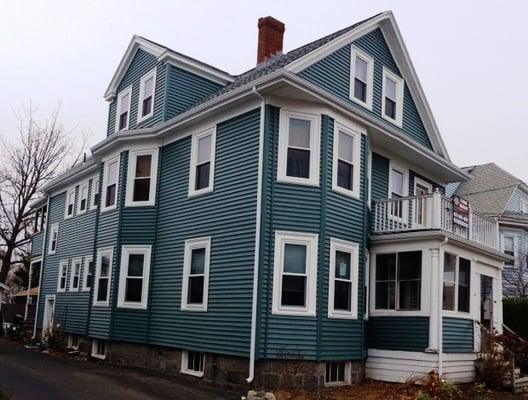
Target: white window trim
pixel 102 195
pixel 73 262
pixel 53 228
pixel 109 251
pixel 63 266
pixel 184 363
pixel 456 312
pixel 190 244
pixel 144 78
pixel 310 240
pixel 194 160
pixel 399 97
pixel 132 160
pixel 68 193
pixel 355 52
pixel 146 250
pixel 94 349
pixel 524 206
pixel 356 136
pixel 315 138
pixel 353 249
pixel 87 261
pixel 514 240
pixel 405 204
pixel 120 96
pixel 81 186
pixel 95 186
pixel 421 182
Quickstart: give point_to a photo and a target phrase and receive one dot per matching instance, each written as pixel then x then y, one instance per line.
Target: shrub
pixel 493 366
pixel 518 347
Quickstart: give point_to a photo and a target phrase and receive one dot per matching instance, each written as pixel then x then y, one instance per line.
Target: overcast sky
pixel 471 57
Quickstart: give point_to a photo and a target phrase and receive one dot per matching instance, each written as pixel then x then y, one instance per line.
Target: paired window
pixel 87 273
pixel 337 373
pixel 70 203
pixel 63 273
pixel 99 349
pixel 343 279
pixel 508 247
pixel 123 109
pixel 193 363
pixel 95 194
pixel 196 274
pixel 298 148
pixel 103 275
pixel 361 78
pixel 142 176
pixel 110 184
pixel 53 238
pixel 392 97
pixel 398 281
pixel 457 283
pixel 346 165
pixel 295 273
pixel 147 87
pixel 134 277
pixel 201 176
pixel 75 275
pixel 82 205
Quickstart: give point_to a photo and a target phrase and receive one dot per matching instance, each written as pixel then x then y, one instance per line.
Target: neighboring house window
pixel 82 204
pixel 110 184
pixel 343 279
pixel 142 176
pixel 298 148
pixel 103 275
pixel 63 274
pixel 361 77
pixel 392 97
pixel 346 162
pixel 87 273
pixel 295 273
pixel 524 206
pixel 457 283
pixel 134 277
pixel 147 88
pixel 398 281
pixel 53 238
pixel 95 194
pixel 201 176
pixel 70 203
pixel 338 373
pixel 123 109
pixel 196 274
pixel 508 245
pixel 193 363
pixel 75 276
pixel 398 184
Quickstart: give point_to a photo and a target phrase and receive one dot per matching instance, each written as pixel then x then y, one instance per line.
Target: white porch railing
pixel 432 211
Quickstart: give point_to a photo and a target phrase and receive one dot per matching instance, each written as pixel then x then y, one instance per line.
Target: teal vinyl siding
pixel 458 335
pixel 36 244
pixel 333 74
pixel 228 216
pixel 398 333
pixel 312 210
pixel 514 204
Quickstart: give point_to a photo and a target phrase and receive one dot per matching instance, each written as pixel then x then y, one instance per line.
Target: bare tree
pixel 41 151
pixel 515 277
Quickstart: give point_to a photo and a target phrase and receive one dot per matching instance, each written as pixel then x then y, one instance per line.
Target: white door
pixel 49 311
pixel 421 206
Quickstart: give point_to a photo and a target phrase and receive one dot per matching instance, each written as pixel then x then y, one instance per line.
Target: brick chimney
pixel 271 33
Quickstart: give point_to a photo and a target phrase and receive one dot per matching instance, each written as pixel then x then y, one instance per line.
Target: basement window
pixel 99 348
pixel 73 342
pixel 193 363
pixel 337 373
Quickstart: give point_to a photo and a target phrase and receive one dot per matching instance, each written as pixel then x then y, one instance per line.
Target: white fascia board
pixel 75 174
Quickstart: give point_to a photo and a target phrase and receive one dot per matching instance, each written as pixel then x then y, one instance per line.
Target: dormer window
pixel 123 109
pixel 361 78
pixel 146 96
pixel 392 97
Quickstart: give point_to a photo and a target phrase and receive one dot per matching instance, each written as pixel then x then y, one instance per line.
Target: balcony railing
pixel 433 212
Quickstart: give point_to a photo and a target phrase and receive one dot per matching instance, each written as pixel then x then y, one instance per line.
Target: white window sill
pixel 68 216
pixel 140 204
pixel 350 193
pixel 85 290
pixel 106 209
pixel 396 122
pixel 197 374
pixel 187 307
pixel 457 314
pixel 294 312
pixel 342 315
pixel 99 356
pixel 133 306
pixel 50 253
pixel 195 193
pixel 396 313
pixel 81 212
pixel 298 181
pixel 101 304
pixel 61 290
pixel 74 289
pixel 360 102
pixel 146 117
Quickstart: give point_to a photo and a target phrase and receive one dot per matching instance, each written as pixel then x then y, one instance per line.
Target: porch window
pixel 196 274
pixel 201 176
pixel 142 176
pixel 361 77
pixel 398 281
pixel 147 88
pixel 134 277
pixel 343 283
pixel 457 283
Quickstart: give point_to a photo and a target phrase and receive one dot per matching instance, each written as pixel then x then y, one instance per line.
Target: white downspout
pixel 440 308
pixel 30 275
pixel 257 242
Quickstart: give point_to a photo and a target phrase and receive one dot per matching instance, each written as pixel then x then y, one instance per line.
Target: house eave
pixel 71 176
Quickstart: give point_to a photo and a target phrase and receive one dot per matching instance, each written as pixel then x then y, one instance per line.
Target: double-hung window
pixel 123 109
pixel 361 77
pixel 53 238
pixel 343 279
pixel 295 273
pixel 75 275
pixel 110 184
pixel 346 161
pixel 142 176
pixel 398 281
pixel 298 148
pixel 134 277
pixel 392 97
pixel 196 274
pixel 457 283
pixel 95 193
pixel 201 175
pixel 87 273
pixel 147 87
pixel 82 204
pixel 62 276
pixel 103 275
pixel 508 247
pixel 398 186
pixel 70 203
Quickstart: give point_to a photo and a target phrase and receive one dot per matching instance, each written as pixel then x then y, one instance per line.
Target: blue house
pixel 283 227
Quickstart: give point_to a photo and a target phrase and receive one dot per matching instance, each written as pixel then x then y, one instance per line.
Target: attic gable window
pixel 123 109
pixel 392 97
pixel 361 77
pixel 147 88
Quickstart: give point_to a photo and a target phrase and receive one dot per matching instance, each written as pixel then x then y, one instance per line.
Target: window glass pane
pixel 385 267
pixel 390 88
pixel 508 245
pixel 110 195
pixel 342 295
pixel 105 266
pixel 124 103
pixel 345 175
pixel 346 147
pixel 464 279
pixel 143 164
pixel 448 297
pixel 135 264
pixel 295 258
pixel 123 120
pixel 299 133
pixel 202 176
pixel 410 265
pixel 198 261
pixel 133 290
pixel 112 172
pixel 147 106
pixel 342 267
pixel 390 108
pixel 298 164
pixel 102 289
pixel 397 180
pixel 409 280
pixel 204 149
pixel 361 69
pixel 141 190
pixel 293 290
pixel 195 290
pixel 149 86
pixel 409 295
pixel 386 295
pixel 360 90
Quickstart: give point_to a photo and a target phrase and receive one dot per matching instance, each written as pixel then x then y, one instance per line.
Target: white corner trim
pixel 194 162
pixel 400 87
pixel 126 251
pixel 356 136
pixel 132 161
pixel 354 53
pixel 190 245
pixel 151 74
